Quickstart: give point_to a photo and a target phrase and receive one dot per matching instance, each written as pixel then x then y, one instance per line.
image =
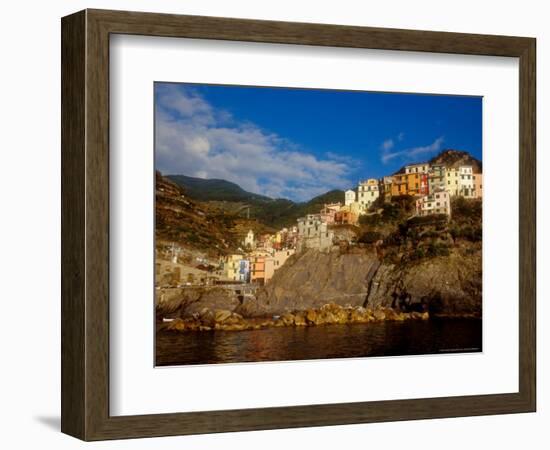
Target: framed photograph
pixel 273 225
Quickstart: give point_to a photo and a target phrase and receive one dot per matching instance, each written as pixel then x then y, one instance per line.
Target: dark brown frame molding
pixel 85 224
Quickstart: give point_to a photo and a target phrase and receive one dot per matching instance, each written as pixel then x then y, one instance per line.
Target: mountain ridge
pixel 280 212
pixel 230 197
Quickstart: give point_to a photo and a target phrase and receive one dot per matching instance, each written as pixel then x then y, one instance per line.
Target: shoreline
pixel 208 320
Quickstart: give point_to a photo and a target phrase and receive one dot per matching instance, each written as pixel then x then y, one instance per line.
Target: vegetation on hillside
pixel 232 211
pixel 232 199
pixel 193 224
pixel 403 237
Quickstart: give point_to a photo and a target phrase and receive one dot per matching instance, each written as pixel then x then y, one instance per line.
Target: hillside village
pixel 429 189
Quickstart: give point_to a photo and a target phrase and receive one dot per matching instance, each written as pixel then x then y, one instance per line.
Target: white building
pixel 249 241
pixel 438 202
pixel 466 182
pixel 417 168
pixel 367 192
pixel 313 233
pixel 349 197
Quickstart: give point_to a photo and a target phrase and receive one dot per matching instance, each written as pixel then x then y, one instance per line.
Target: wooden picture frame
pixel 85 224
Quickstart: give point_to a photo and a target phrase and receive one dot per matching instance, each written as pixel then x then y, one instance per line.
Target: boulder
pixel 221 315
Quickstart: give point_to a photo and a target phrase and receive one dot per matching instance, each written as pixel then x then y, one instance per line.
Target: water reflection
pixel 321 342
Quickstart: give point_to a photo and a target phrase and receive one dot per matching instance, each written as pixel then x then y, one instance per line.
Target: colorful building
pixel 231 266
pixel 346 217
pixel 257 269
pixel 399 185
pixel 264 265
pixel 367 192
pixel 417 183
pixel 478 185
pixel 452 177
pixel 328 212
pixel 436 178
pixel 385 188
pixel 466 182
pixel 438 202
pixel 417 168
pixel 244 271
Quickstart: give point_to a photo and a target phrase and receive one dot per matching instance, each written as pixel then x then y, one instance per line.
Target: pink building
pixel 478 185
pixel 329 211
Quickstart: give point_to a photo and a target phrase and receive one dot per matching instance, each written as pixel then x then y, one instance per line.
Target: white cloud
pixel 412 153
pixel 196 139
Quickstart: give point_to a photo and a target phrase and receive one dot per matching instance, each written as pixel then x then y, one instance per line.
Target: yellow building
pixel 385 185
pixel 367 192
pixel 231 266
pixel 412 183
pixel 452 178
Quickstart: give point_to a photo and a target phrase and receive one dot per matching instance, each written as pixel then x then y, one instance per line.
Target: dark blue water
pixel 412 337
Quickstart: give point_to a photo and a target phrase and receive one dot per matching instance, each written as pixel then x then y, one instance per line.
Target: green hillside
pixel 213 189
pixel 231 198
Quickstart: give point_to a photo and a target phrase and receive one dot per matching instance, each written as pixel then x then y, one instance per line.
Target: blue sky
pixel 299 143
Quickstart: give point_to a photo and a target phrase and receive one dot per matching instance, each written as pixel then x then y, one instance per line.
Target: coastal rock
pixel 312 279
pixel 328 314
pixel 171 302
pixel 445 285
pixel 341 287
pixel 188 301
pixel 221 315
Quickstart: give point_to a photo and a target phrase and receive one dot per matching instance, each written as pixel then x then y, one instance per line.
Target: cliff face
pixel 446 285
pixel 184 302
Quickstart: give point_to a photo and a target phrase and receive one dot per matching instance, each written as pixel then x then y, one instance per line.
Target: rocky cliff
pixel 443 286
pixel 447 285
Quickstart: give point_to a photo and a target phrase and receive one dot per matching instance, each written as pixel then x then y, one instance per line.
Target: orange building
pixel 344 217
pixel 257 269
pixel 399 185
pixel 478 185
pixel 417 183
